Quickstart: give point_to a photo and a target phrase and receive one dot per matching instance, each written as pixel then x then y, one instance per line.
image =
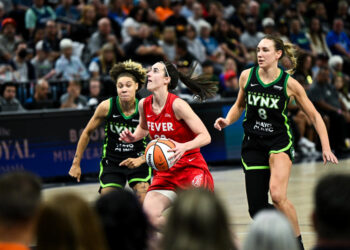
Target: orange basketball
pixel 157 155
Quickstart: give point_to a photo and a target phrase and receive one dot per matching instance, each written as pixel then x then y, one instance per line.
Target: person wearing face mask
pixel 24 70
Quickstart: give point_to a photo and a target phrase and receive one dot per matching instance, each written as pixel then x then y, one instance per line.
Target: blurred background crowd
pixel 58 53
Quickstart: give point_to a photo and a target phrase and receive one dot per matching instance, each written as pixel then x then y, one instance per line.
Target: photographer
pixel 23 69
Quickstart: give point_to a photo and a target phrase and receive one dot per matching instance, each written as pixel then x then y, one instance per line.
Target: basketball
pixel 157 155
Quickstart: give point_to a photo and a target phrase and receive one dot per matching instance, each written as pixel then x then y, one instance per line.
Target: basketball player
pixel 267 149
pixel 165 115
pixel 120 161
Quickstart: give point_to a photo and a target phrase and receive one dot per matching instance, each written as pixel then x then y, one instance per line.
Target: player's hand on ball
pixel 220 123
pixel 179 150
pixel 75 172
pixel 132 162
pixel 127 136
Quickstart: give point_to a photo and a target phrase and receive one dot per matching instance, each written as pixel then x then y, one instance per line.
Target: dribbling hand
pixel 220 123
pixel 75 172
pixel 126 136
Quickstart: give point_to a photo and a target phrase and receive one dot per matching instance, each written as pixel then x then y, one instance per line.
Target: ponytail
pixel 290 52
pixel 201 86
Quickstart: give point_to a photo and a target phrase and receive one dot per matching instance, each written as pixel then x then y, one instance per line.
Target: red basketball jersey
pixel 165 124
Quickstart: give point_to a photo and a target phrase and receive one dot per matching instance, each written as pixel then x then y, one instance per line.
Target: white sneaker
pixel 306 142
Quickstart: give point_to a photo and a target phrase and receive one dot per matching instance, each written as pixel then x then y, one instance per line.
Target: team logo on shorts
pixel 197 180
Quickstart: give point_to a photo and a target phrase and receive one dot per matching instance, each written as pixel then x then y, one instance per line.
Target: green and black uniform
pixel 266 131
pixel 115 151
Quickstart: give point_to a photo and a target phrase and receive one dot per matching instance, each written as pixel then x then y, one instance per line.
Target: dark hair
pixel 201 86
pixel 332 206
pixel 288 49
pixel 125 224
pixel 20 194
pixel 131 69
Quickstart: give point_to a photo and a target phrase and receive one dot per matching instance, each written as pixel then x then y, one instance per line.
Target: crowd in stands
pixel 197 221
pixel 58 53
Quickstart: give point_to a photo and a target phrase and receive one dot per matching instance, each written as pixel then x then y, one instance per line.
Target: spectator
pixel 144 48
pixel 95 92
pixel 342 13
pixel 239 18
pixel 251 37
pixel 270 231
pixel 342 86
pixel 163 11
pixel 38 15
pixel 69 66
pixel 66 221
pixel 40 99
pixel 317 38
pixel 229 79
pixel 121 213
pixel 321 61
pixel 304 70
pixel 19 208
pixel 321 14
pixel 24 70
pixel 197 20
pixel 8 39
pixel 187 8
pixel 102 36
pixel 73 98
pixel 86 26
pixel 194 215
pixel 194 45
pixel 338 41
pixel 176 19
pixel 283 30
pixel 41 63
pixel 168 43
pixel 67 13
pixel 298 37
pixel 330 217
pixel 132 24
pixel 101 65
pixel 52 39
pixel 268 25
pixel 326 98
pixel 116 12
pixel 215 12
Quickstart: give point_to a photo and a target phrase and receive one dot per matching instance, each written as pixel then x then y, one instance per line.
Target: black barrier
pixel 44 142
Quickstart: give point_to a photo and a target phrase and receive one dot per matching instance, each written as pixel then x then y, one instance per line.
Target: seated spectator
pixel 215 12
pixel 73 98
pixel 23 68
pixel 86 26
pixel 330 217
pixel 8 100
pixel 317 38
pixel 41 63
pixel 38 15
pixel 168 43
pixel 132 24
pixel 326 98
pixel 251 37
pixel 66 221
pixel 40 99
pixel 336 65
pixel 176 19
pixel 342 86
pixel 229 79
pixel 194 45
pixel 299 38
pixel 268 25
pixel 197 20
pixel 197 221
pixel 163 11
pixel 19 207
pixel 68 66
pixel 101 65
pixel 8 39
pixel 121 213
pixel 116 12
pixel 270 230
pixel 304 70
pixel 342 12
pixel 208 69
pixel 67 13
pixel 338 41
pixel 102 36
pixel 52 39
pixel 144 48
pixel 95 92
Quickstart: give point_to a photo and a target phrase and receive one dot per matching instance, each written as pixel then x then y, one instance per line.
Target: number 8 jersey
pixel 266 105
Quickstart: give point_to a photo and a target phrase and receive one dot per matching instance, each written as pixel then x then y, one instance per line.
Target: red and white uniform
pixel 191 170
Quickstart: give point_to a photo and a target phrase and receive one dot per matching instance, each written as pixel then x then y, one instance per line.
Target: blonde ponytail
pixel 290 52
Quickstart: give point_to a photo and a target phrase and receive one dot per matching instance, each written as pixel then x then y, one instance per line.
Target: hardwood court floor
pixel 229 185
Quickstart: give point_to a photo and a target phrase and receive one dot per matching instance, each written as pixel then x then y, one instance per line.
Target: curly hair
pixel 129 68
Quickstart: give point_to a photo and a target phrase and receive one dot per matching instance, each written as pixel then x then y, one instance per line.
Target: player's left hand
pixel 328 156
pixel 132 162
pixel 179 150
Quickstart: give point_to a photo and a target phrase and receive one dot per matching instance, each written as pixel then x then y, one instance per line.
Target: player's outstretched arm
pixel 96 120
pixel 295 89
pixel 238 107
pixel 141 129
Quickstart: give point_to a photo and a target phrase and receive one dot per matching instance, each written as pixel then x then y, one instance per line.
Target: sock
pixel 300 242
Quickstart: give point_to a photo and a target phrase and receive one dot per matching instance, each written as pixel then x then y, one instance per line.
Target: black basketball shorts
pixel 256 150
pixel 113 175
